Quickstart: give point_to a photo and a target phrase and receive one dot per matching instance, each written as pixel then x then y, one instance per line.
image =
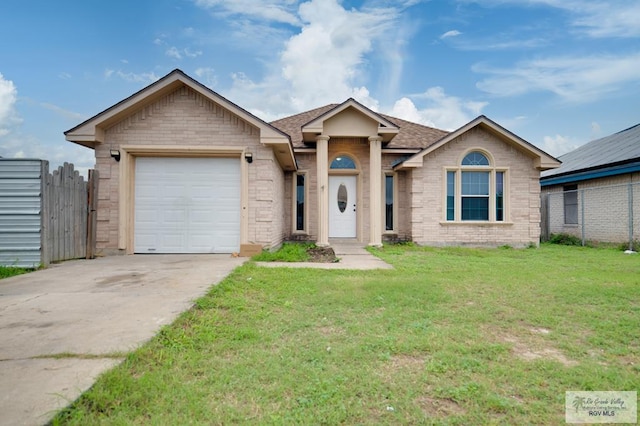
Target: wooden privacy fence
pixel 69 214
pixel 45 217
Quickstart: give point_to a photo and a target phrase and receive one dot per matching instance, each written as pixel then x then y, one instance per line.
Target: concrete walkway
pixel 63 326
pixel 351 253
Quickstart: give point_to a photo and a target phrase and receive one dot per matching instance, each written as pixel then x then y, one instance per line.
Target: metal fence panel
pixel 605 214
pixel 20 212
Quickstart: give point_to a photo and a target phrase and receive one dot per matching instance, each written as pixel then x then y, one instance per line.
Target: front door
pixel 342 207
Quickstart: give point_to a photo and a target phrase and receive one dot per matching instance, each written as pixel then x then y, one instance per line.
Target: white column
pixel 375 191
pixel 322 163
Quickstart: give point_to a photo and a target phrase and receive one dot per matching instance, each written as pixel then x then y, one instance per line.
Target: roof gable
pixel 410 135
pixel 92 131
pixel 543 161
pixel 318 124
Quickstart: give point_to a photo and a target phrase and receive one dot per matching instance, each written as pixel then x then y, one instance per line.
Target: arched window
pixel 475 190
pixel 475 158
pixel 343 162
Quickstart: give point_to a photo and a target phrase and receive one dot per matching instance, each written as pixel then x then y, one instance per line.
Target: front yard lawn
pixel 450 336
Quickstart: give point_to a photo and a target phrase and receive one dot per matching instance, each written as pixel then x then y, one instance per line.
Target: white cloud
pixel 71 115
pixel 144 77
pixel 602 18
pixel 282 11
pixel 558 145
pixel 15 144
pixel 327 61
pixel 173 52
pixel 440 110
pixel 613 18
pixel 18 145
pixel 192 54
pixel 448 34
pixel 207 76
pixel 321 63
pixel 328 55
pixel 574 79
pixel 8 98
pixel 501 42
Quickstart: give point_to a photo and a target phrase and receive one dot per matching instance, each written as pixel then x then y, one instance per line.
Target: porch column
pixel 375 191
pixel 322 163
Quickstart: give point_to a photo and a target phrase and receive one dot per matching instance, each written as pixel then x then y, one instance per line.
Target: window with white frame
pixel 475 190
pixel 300 202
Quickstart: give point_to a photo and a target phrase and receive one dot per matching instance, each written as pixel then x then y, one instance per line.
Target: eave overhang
pixel 386 129
pixel 542 160
pixel 609 170
pixel 91 132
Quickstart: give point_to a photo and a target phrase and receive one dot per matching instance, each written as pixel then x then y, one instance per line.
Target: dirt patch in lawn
pixel 530 346
pixel 439 407
pixel 322 255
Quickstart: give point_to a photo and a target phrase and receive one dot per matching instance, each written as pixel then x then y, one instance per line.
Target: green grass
pixel 451 336
pixel 289 252
pixel 10 271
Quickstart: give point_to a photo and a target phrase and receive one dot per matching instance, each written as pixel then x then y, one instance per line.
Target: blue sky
pixel 556 72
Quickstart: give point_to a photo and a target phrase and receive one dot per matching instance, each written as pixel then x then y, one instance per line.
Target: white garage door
pixel 187 205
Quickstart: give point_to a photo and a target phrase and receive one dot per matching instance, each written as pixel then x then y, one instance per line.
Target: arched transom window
pixel 475 190
pixel 343 162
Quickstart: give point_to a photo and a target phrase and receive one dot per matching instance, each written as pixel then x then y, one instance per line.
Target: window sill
pixel 305 233
pixel 475 223
pixel 390 232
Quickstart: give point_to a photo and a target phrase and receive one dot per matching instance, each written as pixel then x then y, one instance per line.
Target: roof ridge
pixel 288 117
pixel 627 129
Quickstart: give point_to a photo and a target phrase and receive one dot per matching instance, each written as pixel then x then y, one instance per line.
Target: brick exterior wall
pixel 186 118
pixel 522 223
pixel 266 200
pixel 606 208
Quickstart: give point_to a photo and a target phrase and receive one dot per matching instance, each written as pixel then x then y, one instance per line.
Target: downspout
pixel 582 216
pixel 630 197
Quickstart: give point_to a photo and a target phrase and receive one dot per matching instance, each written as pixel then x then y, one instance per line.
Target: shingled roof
pixel 411 135
pixel 617 149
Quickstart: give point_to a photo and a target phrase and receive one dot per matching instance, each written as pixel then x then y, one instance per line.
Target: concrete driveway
pixel 89 310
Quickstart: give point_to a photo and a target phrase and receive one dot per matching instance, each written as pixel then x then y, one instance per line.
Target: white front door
pixel 342 207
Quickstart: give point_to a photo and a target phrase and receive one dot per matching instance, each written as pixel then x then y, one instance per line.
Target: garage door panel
pixel 187 205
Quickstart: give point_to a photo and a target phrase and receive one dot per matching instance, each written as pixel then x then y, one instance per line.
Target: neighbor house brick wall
pixel 522 224
pixel 606 208
pixel 187 118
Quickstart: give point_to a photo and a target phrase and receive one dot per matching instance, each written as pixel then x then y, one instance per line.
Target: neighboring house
pixel 184 170
pixel 596 190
